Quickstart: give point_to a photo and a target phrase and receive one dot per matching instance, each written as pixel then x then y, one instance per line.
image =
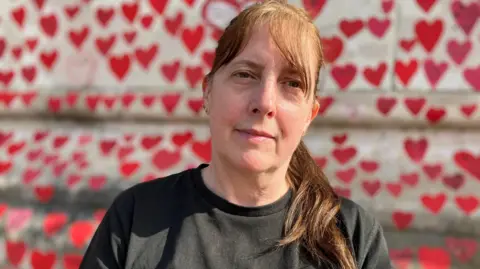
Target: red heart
pixel 428 33
pixel 402 219
pixel 346 175
pixel 164 159
pixel 146 21
pixel 394 188
pixel 31 43
pixel 351 27
pixel 129 36
pixel 325 102
pixel 72 11
pixel 434 71
pixel 321 161
pixel 53 223
pixel 433 171
pixel 195 104
pixel 18 15
pixel 106 146
pixel 124 151
pixel 49 25
pixel 202 150
pixel 434 258
pixel 464 249
pixel 472 76
pixel 146 56
pixel 378 27
pixel 80 233
pixel 466 16
pixel 468 110
pixel 129 168
pixel 170 101
pixel 344 75
pixel 127 99
pixel 387 6
pixel 468 204
pixel 341 191
pixel 6 78
pixel 415 105
pixel 120 65
pixel 148 100
pixel 193 75
pixel 340 138
pixel 454 181
pixel 104 15
pixel 17 53
pixel 29 73
pixel 5 167
pixel 30 175
pixel 59 141
pixel 386 104
pixel 39 3
pixel 97 182
pixel 405 71
pixel 193 37
pixel 369 166
pixel 332 48
pixel 72 261
pixel 410 179
pixel 172 25
pixel 42 260
pixel 208 58
pixel 426 5
pixel 407 44
pixel 344 155
pixel 435 114
pixel 72 180
pixel 458 51
pixel 416 149
pixel 44 193
pixel 401 258
pixel 158 5
pixel 79 37
pixel 371 187
pixel 15 252
pixel 434 203
pixel 375 75
pixel 49 59
pixel 170 71
pixel 180 139
pixel 130 11
pixel 149 142
pixel 314 7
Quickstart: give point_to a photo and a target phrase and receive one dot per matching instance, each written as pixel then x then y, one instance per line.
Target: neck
pixel 245 188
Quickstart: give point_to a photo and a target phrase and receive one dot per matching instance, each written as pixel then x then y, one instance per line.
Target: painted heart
pixel 344 75
pixel 15 252
pixel 54 222
pixel 385 104
pixel 44 194
pixel 346 175
pixel 325 103
pixel 369 166
pixel 351 27
pixel 344 155
pixel 401 258
pixel 426 5
pixel 192 37
pixel 410 179
pixel 378 27
pixel 78 37
pixel 193 75
pixel 49 25
pixel 71 11
pixel 402 220
pixel 173 24
pixel 434 258
pixel 321 161
pixel 468 204
pixel 342 191
pixel 433 171
pixel 472 76
pixel 415 104
pixel 17 219
pixel 371 187
pixel 429 33
pixel 375 75
pixel 164 159
pixel 120 65
pixel 104 15
pixel 202 149
pixel 405 71
pixel 130 11
pixel 340 139
pixel 458 51
pixel 181 139
pixel 146 56
pixel 170 101
pixel 18 15
pixel 454 181
pixel 30 175
pixel 80 233
pixel 434 203
pixel 128 169
pixel 434 71
pixel 387 6
pixel 464 249
pixel 42 260
pixel 332 48
pixel 468 110
pixel 435 114
pixel 407 44
pixel 150 141
pixel 158 5
pixel 465 15
pixel 49 59
pixel 72 261
pixel 314 7
pixel 97 182
pixel 394 188
pixel 195 105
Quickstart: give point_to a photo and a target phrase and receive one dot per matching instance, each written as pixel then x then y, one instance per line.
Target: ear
pixel 313 114
pixel 206 92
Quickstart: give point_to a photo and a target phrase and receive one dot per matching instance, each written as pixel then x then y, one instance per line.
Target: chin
pixel 255 161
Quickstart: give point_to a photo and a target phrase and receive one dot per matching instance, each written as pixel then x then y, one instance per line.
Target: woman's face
pixel 258 107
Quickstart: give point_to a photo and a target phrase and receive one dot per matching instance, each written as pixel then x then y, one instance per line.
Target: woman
pixel 262 202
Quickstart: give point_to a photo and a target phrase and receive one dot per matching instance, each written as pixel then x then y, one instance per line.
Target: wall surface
pixel 96 96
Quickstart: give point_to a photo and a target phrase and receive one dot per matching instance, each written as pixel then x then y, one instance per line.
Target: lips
pixel 257 133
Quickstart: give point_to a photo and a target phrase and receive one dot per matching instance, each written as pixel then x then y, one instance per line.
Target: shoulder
pixel 355 218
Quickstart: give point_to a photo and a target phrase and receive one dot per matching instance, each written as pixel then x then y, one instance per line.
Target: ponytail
pixel 312 217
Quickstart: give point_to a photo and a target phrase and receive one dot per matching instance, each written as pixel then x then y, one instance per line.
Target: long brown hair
pixel 312 216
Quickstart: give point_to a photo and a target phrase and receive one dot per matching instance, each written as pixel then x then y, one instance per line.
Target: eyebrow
pixel 257 66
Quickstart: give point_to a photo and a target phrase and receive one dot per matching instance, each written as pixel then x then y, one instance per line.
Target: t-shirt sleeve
pixel 375 251
pixel 108 246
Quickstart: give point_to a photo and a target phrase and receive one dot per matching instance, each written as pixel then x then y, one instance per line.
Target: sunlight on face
pixel 258 107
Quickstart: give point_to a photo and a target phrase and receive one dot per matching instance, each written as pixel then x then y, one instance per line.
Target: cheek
pixel 227 109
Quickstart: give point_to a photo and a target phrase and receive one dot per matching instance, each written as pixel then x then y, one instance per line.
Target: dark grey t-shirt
pixel 178 223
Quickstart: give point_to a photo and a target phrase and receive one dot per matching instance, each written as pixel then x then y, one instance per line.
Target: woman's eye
pixel 243 75
pixel 294 84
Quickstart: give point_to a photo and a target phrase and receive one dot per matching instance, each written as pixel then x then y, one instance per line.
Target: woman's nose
pixel 264 99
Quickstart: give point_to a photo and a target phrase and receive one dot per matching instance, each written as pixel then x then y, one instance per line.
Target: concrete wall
pixel 96 96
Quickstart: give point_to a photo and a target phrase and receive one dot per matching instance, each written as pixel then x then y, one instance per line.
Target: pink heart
pixel 17 219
